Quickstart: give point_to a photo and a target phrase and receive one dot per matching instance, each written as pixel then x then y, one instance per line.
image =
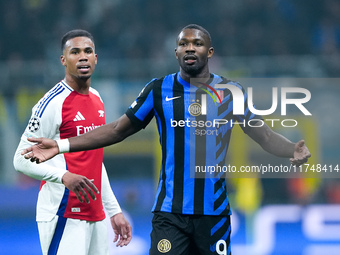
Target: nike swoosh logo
pixel 171 98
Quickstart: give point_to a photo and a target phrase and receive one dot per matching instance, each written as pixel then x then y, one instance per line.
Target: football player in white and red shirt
pixel 74 187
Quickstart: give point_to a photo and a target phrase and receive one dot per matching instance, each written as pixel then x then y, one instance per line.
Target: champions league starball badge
pixel 34 124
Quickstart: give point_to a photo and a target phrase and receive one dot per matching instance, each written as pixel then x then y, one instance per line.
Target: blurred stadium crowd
pixel 142 29
pixel 135 42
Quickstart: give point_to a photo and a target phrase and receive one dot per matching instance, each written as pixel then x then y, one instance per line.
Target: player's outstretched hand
pixel 301 154
pixel 122 229
pixel 44 149
pixel 81 186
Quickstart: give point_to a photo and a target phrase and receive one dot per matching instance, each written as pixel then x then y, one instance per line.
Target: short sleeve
pixel 141 111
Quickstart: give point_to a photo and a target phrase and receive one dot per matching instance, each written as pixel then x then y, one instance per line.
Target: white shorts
pixel 64 236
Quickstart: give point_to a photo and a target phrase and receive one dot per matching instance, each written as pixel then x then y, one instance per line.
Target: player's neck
pixel 205 74
pixel 81 86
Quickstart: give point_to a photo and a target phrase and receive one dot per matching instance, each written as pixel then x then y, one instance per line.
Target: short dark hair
pixel 198 27
pixel 75 33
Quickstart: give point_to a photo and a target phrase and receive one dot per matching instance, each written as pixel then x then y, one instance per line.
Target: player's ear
pixel 210 52
pixel 62 60
pixel 176 53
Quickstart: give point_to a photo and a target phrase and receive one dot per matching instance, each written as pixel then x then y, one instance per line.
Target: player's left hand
pixel 301 154
pixel 122 229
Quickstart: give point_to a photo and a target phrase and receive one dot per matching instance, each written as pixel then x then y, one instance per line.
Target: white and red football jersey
pixel 64 113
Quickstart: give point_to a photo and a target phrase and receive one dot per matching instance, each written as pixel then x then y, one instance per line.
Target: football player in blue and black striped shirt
pixel 195 115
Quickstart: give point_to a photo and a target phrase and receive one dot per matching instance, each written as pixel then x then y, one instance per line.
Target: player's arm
pixel 80 185
pixel 121 227
pixel 279 145
pixel 103 136
pixel 108 134
pixel 40 172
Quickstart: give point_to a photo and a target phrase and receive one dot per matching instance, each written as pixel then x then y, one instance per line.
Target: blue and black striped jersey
pixel 194 124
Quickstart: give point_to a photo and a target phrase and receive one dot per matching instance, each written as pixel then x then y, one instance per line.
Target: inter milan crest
pixel 34 124
pixel 195 109
pixel 164 246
